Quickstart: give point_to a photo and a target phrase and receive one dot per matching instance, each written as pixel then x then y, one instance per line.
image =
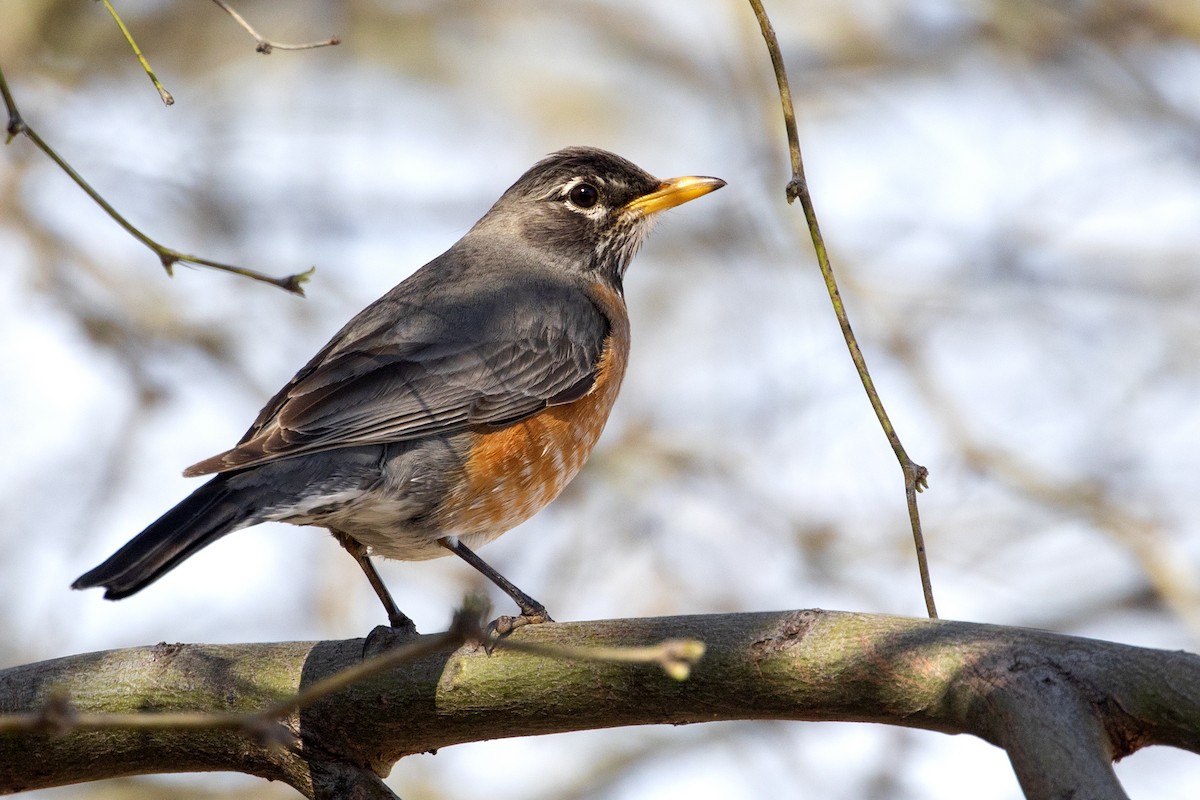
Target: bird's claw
pixel 501 627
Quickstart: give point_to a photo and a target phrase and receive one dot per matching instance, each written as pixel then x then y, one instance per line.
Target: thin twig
pixel 400 654
pixel 915 475
pixel 59 717
pixel 166 255
pixel 675 656
pixel 137 51
pixel 265 45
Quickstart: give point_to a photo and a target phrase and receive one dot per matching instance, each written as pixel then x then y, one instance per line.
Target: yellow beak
pixel 673 192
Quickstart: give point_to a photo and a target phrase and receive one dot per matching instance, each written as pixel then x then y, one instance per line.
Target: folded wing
pixel 399 372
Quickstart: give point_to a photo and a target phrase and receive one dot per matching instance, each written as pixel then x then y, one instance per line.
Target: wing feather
pixel 400 371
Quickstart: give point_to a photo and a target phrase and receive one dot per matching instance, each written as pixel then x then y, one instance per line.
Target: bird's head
pixel 590 209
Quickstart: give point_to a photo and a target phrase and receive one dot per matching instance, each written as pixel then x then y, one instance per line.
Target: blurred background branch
pixel 1010 186
pixel 17 126
pixel 265 45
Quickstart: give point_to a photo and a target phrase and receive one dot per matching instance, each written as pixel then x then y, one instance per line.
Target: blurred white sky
pixel 1012 208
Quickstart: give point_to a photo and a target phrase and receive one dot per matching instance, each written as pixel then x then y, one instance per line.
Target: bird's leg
pixel 532 612
pixel 396 618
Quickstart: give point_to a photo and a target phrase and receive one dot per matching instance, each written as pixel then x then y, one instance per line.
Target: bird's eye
pixel 584 195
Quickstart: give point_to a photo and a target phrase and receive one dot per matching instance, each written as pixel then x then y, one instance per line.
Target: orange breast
pixel 513 473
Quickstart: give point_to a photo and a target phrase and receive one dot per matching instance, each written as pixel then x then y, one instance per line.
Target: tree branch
pixel 1092 701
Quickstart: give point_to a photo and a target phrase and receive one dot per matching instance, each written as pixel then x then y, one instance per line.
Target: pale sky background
pixel 1011 195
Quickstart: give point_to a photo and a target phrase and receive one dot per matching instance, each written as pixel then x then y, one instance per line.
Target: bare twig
pixel 675 656
pixel 265 45
pixel 166 255
pixel 60 718
pixel 166 96
pixel 915 475
pixel 464 628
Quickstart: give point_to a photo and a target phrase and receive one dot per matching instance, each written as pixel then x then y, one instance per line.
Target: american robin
pixel 454 407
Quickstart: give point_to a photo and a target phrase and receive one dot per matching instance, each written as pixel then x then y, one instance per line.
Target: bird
pixel 454 407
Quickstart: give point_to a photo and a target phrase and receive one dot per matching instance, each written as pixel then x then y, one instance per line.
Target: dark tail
pixel 209 513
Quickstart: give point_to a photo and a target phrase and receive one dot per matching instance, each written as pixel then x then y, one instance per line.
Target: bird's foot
pixel 503 626
pixel 400 622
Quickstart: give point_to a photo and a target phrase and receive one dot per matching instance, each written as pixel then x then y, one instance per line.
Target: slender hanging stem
pixel 915 475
